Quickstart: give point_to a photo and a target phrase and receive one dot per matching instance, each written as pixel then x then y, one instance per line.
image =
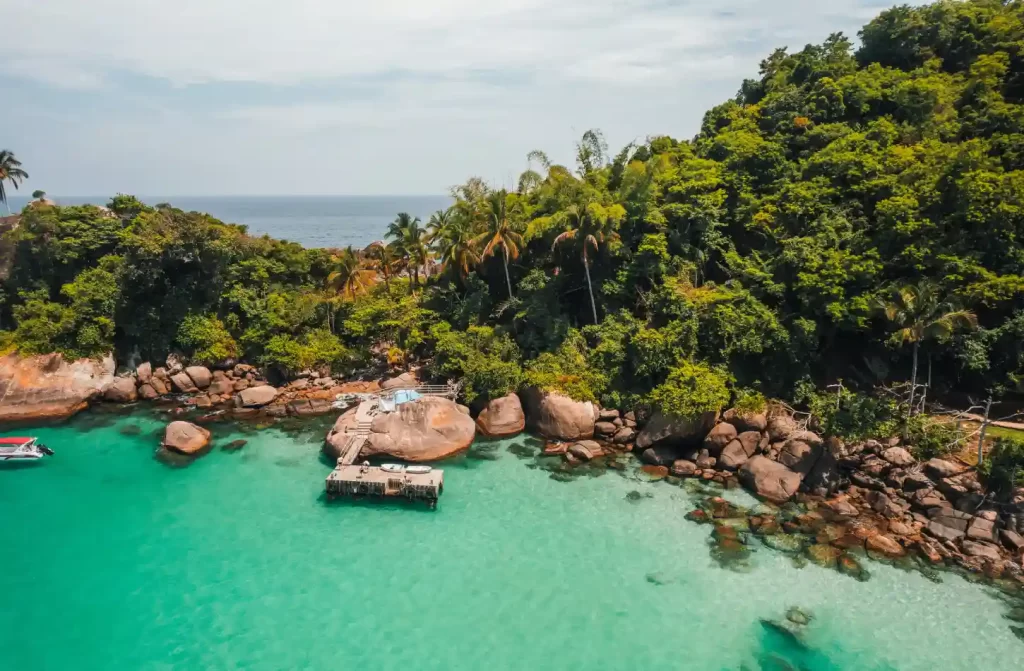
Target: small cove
pixel 236 561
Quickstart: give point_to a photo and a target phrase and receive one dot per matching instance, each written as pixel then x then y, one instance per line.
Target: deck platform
pixel 351 480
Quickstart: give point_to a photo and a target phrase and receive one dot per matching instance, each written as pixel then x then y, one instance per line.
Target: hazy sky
pixel 373 97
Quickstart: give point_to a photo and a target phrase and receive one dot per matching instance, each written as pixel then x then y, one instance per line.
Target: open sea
pixel 314 221
pixel 114 561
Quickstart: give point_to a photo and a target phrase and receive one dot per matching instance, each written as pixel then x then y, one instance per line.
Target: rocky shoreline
pixel 824 499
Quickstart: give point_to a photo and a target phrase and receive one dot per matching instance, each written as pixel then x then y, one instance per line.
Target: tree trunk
pixel 590 288
pixel 984 427
pixel 913 380
pixel 507 280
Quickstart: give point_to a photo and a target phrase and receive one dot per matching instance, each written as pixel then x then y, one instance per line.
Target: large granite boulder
pixel 801 452
pixel 502 417
pixel 721 435
pixel 48 387
pixel 183 383
pixel 254 397
pixel 121 390
pixel 739 450
pixel 144 372
pixel 427 429
pixel 200 375
pixel 662 427
pixel 769 479
pixel 556 416
pixel 185 437
pixel 404 380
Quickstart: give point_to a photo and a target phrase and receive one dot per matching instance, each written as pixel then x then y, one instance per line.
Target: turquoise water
pixel 114 560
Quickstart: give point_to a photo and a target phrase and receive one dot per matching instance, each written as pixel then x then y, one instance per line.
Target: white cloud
pixel 368 96
pixel 192 41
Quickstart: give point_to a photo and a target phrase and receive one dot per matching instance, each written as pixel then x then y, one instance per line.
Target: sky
pixel 378 97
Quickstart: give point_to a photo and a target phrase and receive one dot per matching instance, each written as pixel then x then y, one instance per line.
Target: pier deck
pixel 357 480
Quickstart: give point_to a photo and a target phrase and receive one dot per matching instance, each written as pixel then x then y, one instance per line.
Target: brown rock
pixel 502 417
pixel 254 397
pixel 183 383
pixel 1012 540
pixel 48 387
pixel 898 528
pixel 185 438
pixel 799 455
pixel 221 386
pixel 661 427
pixel 838 509
pixel 581 450
pixel 681 468
pixel 624 435
pixel 202 401
pixel 160 385
pixel 608 415
pixel 897 456
pixel 721 435
pixel 780 428
pixel 426 429
pixel 983 550
pixel 240 385
pixel 405 380
pixel 605 428
pixel 769 479
pixel 748 421
pixel 556 416
pixel 147 392
pixel 884 545
pixel 981 529
pixel 705 461
pixel 659 455
pixel 200 376
pixel 121 390
pixel 144 372
pixel 941 468
pixel 736 453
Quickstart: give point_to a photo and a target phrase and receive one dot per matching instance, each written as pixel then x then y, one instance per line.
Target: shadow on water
pixel 371 503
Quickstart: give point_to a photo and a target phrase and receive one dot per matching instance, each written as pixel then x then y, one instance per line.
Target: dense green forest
pixel 849 209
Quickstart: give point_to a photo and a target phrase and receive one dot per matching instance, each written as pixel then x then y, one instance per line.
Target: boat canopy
pixel 17 440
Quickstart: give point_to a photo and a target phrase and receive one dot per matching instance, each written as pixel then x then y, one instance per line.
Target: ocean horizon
pixel 313 221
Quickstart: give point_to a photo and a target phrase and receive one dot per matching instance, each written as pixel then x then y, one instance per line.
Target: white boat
pixel 393 468
pixel 22 448
pixel 417 470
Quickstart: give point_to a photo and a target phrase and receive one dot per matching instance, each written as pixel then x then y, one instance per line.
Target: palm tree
pixel 438 221
pixel 591 225
pixel 410 243
pixel 457 246
pixel 350 278
pixel 500 232
pixel 919 313
pixel 382 258
pixel 10 171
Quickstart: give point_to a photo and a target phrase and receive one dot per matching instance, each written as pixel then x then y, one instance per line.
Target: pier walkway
pixel 420 482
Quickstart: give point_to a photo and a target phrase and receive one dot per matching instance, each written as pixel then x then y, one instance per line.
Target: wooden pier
pixel 349 479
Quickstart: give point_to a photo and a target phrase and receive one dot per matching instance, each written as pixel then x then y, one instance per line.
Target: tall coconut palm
pixel 919 313
pixel 382 259
pixel 10 171
pixel 457 246
pixel 350 277
pixel 438 221
pixel 590 225
pixel 410 243
pixel 501 233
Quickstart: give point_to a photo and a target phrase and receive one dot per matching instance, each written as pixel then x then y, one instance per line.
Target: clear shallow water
pixel 115 561
pixel 314 221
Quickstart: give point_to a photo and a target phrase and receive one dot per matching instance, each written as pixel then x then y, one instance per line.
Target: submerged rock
pixel 235 445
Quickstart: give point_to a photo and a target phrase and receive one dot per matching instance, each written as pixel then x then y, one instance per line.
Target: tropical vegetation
pixel 845 203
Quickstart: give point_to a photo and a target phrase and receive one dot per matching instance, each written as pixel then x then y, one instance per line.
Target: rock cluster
pixel 427 429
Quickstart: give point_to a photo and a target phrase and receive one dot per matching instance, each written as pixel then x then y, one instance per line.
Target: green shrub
pixel 206 339
pixel 852 415
pixel 750 401
pixel 691 390
pixel 312 349
pixel 567 371
pixel 1004 469
pixel 485 361
pixel 929 438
